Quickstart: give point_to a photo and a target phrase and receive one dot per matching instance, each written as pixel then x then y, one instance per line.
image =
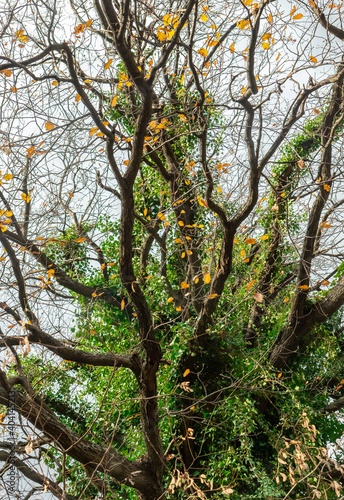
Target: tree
pixel 172 273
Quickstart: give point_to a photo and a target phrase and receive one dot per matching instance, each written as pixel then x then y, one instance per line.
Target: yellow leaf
pixel 203 52
pixel 235 240
pixel 279 375
pixel 49 126
pixel 183 255
pixel 25 197
pixel 108 64
pixel 178 308
pixel 77 98
pixel 266 37
pixel 264 237
pixel 265 45
pixel 186 373
pixel 250 241
pixel 298 16
pixel 145 212
pixel 167 19
pixel 202 202
pixel 54 83
pixel 102 267
pixel 161 34
pixel 114 100
pixel 327 187
pixel 122 304
pixel 171 299
pixel 100 134
pixel 7 177
pixel 244 23
pixel 184 285
pixel 204 18
pixel 207 278
pixel 270 18
pixel 181 223
pixel 292 11
pixel 249 285
pixel 13 89
pixel 232 48
pixel 313 59
pixel 213 295
pixel 188 252
pixel 93 130
pixel 183 118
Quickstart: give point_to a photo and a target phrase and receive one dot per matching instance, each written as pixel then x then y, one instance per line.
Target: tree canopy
pixel 171 265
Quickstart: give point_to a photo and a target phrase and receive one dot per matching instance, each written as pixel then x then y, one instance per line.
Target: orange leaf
pixel 184 285
pixel 122 304
pixel 49 126
pixel 81 240
pixel 30 151
pixel 250 241
pixel 249 285
pixel 171 299
pixel 313 59
pixel 88 24
pixel 114 100
pixel 108 64
pixel 325 283
pixel 77 98
pixel 6 72
pixel 186 373
pixel 93 130
pixel 327 187
pixel 325 225
pixel 298 16
pixel 303 287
